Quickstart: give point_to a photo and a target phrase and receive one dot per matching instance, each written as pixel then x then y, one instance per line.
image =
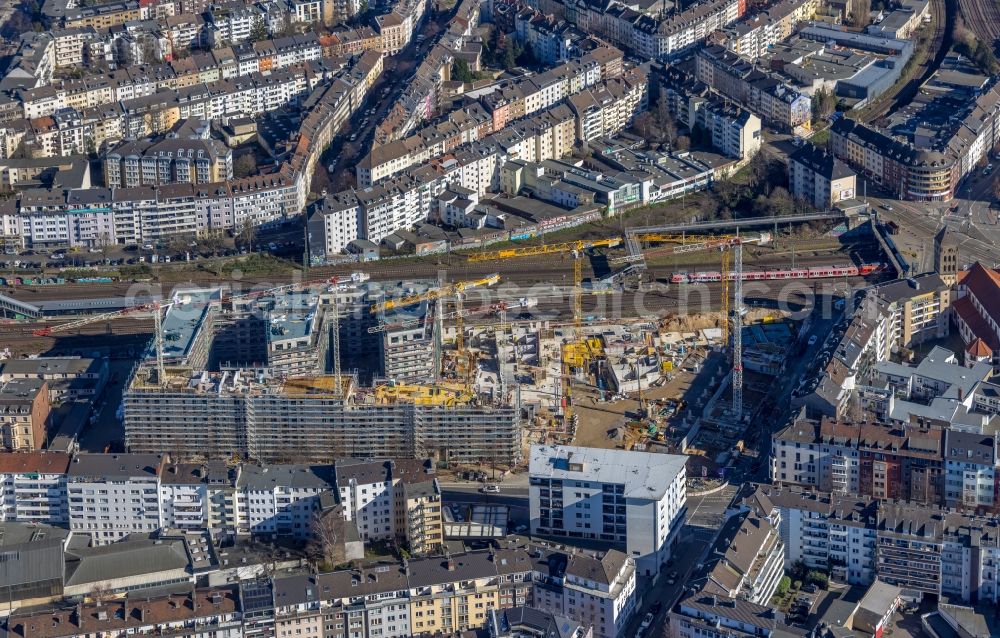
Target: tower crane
pixel 440 293
pixel 732 315
pixel 577 248
pixel 447 290
pixel 154 307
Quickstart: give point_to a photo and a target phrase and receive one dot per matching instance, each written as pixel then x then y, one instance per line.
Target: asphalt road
pixel 968 216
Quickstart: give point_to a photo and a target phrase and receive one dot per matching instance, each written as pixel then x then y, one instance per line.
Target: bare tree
pixel 245 234
pixel 100 592
pixel 104 244
pixel 860 13
pixel 326 543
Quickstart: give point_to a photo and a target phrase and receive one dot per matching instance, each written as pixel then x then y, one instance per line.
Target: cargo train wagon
pixel 817 272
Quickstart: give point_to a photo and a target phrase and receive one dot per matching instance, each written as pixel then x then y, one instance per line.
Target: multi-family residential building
pixel 424 522
pixel 33 487
pixel 521 622
pixel 708 615
pixel 916 174
pixel 769 97
pixel 24 414
pixel 113 495
pixel 971 473
pixel 816 176
pixel 635 498
pixel 735 132
pixel 280 500
pixel 599 591
pixel 751 38
pixel 607 109
pixel 870 459
pixel 925 548
pixel 199 496
pixel 202 612
pixel 894 315
pixel 551 39
pixel 748 559
pixel 645 36
pixel 171 160
pixel 387 499
pixel 67 377
pixel 591 594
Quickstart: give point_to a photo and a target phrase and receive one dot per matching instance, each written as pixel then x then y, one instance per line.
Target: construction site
pixel 458 371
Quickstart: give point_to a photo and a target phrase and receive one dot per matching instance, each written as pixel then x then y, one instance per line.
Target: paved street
pixel 969 215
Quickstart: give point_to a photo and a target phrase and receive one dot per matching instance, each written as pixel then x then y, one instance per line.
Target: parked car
pixel 647 620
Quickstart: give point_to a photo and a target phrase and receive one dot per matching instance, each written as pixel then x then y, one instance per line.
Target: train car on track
pixel 817 272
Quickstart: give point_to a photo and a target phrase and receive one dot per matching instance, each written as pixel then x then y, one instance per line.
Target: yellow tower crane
pixel 454 291
pixel 577 248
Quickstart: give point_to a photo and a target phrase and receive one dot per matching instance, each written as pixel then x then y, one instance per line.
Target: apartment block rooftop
pixel 644 475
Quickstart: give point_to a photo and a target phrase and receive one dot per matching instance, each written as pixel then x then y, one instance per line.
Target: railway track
pixel 521 271
pixel 940 22
pixel 982 17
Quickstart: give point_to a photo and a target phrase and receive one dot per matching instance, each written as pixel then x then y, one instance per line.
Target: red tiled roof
pixel 31 462
pixel 984 283
pixel 978 348
pixel 966 311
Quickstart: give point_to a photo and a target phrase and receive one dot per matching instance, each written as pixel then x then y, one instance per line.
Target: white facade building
pixel 113 495
pixel 637 498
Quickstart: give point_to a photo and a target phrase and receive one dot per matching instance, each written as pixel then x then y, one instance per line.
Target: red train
pixel 817 272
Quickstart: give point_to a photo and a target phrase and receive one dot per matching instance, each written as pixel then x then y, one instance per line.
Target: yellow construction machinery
pixel 444 394
pixel 544 249
pixel 576 247
pixel 455 291
pixel 433 294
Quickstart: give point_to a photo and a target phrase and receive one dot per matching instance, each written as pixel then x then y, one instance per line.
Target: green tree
pixel 509 55
pixel 258 31
pixel 784 585
pixel 461 72
pixel 818 578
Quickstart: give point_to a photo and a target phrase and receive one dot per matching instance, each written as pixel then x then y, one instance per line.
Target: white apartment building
pixel 636 498
pixel 736 132
pixel 280 500
pixel 33 488
pixel 970 462
pixel 599 592
pixel 748 559
pixel 71 45
pixel 372 494
pixel 826 531
pixel 198 496
pixel 113 495
pixel 233 22
pixel 334 223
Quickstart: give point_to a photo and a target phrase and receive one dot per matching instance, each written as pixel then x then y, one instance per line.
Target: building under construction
pixel 310 419
pixel 250 376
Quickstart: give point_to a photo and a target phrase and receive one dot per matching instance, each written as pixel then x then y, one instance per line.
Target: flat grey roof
pixel 644 474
